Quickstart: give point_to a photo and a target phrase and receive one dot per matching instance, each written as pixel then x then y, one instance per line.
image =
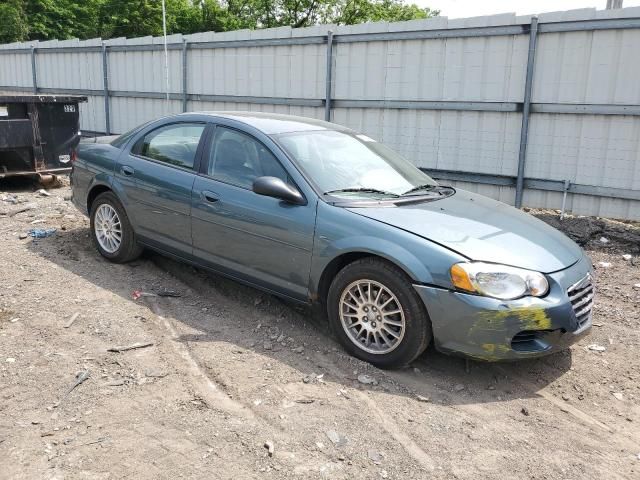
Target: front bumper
pixel 490 329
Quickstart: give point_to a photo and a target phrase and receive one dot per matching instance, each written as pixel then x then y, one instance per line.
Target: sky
pixel 474 8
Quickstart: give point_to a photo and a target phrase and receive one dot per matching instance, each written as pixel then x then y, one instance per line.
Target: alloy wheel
pixel 108 228
pixel 372 316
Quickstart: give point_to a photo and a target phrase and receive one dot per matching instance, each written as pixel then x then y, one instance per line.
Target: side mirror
pixel 276 188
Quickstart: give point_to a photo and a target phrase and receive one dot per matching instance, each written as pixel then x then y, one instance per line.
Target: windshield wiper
pixel 362 190
pixel 426 186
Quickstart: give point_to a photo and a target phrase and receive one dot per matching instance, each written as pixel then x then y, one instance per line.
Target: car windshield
pixel 351 165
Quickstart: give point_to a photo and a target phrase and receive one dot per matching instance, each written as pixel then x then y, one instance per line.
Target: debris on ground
pixel 604 240
pixel 458 387
pixel 627 257
pixel 375 457
pixel 596 348
pixel 367 380
pixel 421 398
pixel 13 213
pixel 270 448
pixel 42 232
pixel 136 294
pixel 93 442
pixel 618 396
pixel 604 264
pixel 133 346
pixel 337 439
pixel 587 231
pixel 42 192
pixel 72 320
pixel 168 293
pixel 525 411
pixel 81 377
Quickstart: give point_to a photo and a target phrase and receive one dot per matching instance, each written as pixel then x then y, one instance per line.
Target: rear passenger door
pixel 157 176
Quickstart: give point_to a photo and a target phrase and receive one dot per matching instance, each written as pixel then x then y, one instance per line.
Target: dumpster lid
pixel 42 99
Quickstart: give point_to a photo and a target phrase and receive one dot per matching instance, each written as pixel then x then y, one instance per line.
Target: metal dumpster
pixel 38 134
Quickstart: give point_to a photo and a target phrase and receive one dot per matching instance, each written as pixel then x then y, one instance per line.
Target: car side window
pixel 238 159
pixel 175 144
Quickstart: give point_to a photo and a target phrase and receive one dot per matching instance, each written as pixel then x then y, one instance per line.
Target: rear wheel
pixel 111 230
pixel 377 315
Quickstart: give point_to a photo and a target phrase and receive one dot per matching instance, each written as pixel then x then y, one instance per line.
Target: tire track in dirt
pixel 393 429
pixel 208 390
pixel 580 415
pixel 533 391
pixel 385 421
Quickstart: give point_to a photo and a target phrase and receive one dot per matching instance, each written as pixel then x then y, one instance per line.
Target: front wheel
pixel 376 313
pixel 111 230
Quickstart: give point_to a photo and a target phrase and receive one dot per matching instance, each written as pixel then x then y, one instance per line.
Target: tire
pixel 385 281
pixel 128 248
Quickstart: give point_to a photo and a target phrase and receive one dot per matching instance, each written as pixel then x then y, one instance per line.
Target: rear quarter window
pixel 174 144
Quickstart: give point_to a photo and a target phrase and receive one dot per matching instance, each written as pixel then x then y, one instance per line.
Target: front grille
pixel 581 297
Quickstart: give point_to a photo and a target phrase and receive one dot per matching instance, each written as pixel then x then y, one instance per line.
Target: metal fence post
pixel 526 110
pixel 329 74
pixel 34 72
pixel 105 86
pixel 184 74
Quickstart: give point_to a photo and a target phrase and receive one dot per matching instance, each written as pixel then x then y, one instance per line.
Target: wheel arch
pixel 400 258
pixel 94 191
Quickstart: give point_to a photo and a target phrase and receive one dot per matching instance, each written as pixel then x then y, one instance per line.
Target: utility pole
pixel 166 53
pixel 611 4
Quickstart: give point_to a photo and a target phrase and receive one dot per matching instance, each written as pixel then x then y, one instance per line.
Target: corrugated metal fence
pixel 519 108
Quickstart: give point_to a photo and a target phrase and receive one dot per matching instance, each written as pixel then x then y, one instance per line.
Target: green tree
pixel 303 13
pixel 130 18
pixel 13 24
pixel 360 11
pixel 64 19
pixel 61 19
pixel 136 18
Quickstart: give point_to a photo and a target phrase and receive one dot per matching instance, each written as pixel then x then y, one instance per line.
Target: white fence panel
pixel 16 70
pixel 451 103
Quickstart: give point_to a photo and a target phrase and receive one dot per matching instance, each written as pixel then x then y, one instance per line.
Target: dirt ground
pixel 233 373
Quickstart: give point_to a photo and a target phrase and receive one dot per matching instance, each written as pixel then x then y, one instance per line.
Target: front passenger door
pixel 261 240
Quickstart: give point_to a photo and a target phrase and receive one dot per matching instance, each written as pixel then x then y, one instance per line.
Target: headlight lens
pixel 498 281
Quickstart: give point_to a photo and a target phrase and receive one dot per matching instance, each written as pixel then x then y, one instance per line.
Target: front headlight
pixel 498 281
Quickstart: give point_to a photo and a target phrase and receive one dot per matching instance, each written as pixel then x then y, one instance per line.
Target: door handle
pixel 209 196
pixel 127 170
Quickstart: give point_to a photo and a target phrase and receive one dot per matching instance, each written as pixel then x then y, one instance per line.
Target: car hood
pixel 482 229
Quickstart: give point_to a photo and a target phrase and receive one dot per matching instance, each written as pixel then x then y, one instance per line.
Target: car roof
pixel 275 123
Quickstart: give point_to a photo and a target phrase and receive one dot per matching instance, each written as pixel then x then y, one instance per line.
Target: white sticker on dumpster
pixel 69 108
pixel 4 111
pixel 64 158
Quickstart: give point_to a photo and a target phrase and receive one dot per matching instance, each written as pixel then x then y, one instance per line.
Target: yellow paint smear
pixel 531 318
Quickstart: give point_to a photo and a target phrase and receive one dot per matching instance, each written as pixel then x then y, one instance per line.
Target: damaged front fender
pixel 490 329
